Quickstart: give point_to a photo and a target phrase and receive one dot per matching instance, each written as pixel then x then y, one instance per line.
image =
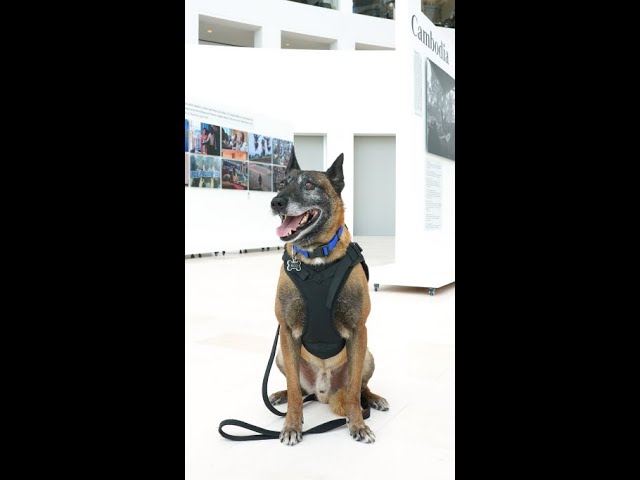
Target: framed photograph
pixel 187 136
pixel 281 152
pixel 234 174
pixel 186 169
pixel 278 178
pixel 440 112
pixel 260 148
pixel 235 144
pixel 205 171
pixel 260 177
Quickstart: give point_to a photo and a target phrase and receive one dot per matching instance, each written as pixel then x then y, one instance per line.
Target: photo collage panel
pixel 222 157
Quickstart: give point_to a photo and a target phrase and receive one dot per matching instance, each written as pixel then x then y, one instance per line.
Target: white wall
pixel 375 185
pixel 229 220
pixel 356 99
pixel 310 151
pixel 368 92
pixel 277 15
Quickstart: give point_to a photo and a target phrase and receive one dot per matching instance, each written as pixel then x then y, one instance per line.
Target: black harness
pixel 320 286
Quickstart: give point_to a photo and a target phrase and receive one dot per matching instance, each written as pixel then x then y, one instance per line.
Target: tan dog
pixel 322 303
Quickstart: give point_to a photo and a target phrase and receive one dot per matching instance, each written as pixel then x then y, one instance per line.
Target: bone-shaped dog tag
pixel 293 265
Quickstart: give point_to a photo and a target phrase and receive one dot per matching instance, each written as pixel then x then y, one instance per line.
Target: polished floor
pixel 229 329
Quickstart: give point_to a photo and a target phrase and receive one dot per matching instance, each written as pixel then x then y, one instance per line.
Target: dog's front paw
pixel 379 403
pixel 290 435
pixel 278 397
pixel 362 433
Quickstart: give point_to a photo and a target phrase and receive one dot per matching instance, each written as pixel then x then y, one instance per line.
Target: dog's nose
pixel 278 203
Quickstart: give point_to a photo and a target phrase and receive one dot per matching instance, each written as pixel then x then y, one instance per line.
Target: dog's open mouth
pixel 291 226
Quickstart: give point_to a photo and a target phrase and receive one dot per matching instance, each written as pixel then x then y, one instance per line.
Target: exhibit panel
pixel 233 161
pixel 349 104
pixel 425 155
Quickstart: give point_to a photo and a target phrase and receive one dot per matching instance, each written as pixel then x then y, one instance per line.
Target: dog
pixel 322 315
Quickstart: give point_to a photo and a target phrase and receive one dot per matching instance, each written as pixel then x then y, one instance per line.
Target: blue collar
pixel 322 250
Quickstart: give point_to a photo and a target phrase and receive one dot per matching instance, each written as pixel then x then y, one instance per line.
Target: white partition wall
pixel 425 183
pixel 374 185
pixel 310 151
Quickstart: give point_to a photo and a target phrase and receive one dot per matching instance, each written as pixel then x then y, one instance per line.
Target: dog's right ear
pixel 293 163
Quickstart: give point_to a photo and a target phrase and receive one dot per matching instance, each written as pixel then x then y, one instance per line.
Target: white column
pixel 190 23
pixel 345 6
pixel 267 37
pixel 347 43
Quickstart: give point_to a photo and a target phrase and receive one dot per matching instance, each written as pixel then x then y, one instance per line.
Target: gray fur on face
pixel 301 200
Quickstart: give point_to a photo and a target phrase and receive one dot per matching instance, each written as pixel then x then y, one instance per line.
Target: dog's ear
pixel 293 163
pixel 335 174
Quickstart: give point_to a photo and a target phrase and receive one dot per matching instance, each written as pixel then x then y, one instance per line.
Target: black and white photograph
pixel 440 116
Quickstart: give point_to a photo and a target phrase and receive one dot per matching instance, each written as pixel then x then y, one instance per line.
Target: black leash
pixel 271 434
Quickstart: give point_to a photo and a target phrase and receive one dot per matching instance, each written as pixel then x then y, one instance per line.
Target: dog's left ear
pixel 335 174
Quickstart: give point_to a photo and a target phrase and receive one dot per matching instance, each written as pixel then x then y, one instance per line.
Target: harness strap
pixel 343 266
pixel 264 434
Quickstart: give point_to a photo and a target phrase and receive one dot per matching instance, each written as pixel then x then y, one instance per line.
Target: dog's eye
pixel 309 186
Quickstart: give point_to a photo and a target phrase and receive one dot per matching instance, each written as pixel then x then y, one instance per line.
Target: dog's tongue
pixel 288 224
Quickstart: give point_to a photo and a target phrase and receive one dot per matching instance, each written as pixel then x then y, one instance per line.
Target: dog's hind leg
pixel 278 397
pixel 375 401
pixel 337 400
pixel 338 404
pixel 281 397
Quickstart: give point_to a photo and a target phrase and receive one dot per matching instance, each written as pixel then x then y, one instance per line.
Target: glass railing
pixel 441 12
pixel 333 4
pixel 374 8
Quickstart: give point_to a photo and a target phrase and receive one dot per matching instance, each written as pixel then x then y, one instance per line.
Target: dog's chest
pixel 347 310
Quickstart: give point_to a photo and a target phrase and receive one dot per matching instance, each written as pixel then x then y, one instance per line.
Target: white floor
pixel 229 329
